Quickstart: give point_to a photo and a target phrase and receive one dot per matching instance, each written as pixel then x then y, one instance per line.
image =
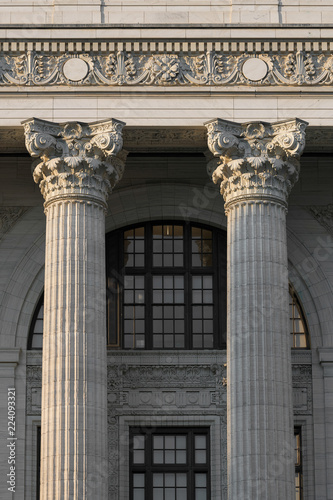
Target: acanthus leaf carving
pixel 76 158
pixel 257 157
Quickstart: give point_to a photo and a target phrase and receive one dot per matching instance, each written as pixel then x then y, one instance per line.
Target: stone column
pixel 76 169
pixel 257 167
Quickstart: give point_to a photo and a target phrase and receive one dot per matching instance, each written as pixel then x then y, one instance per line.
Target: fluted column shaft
pixel 258 166
pixel 260 441
pixel 74 176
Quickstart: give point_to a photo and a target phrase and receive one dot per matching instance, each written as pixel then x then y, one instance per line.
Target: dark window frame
pixel 296 302
pixel 299 465
pixel 116 271
pixel 148 468
pixel 33 323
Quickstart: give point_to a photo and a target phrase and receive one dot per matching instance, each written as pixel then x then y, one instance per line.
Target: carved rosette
pixel 258 160
pixel 76 160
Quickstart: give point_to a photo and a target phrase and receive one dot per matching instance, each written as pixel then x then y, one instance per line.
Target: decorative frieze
pixel 167 65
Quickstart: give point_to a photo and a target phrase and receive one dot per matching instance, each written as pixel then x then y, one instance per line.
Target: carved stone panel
pixel 193 388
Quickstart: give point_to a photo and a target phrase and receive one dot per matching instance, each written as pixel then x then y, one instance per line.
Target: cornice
pixel 175 63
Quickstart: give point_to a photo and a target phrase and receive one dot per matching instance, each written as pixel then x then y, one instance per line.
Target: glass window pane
pixel 157 326
pixel 157 296
pixel 170 494
pixel 197 282
pixel 208 341
pixel 181 480
pixel 158 494
pixel 38 326
pixel 157 260
pixel 128 326
pixel 158 341
pixel 138 494
pixel 207 297
pixel 196 232
pixel 207 282
pixel 138 457
pixel 158 457
pixel 139 312
pixel 178 260
pixel 197 341
pixel 168 326
pixel 169 457
pixel 200 480
pixel 168 296
pixel 179 296
pixel 139 442
pixel 168 341
pixel 157 282
pixel 207 311
pixel 37 341
pixel 197 296
pixel 128 341
pixel 157 311
pixel 200 442
pixel 158 442
pixel 181 442
pixel 168 282
pixel 181 457
pixel 128 297
pixel 170 480
pixel 181 493
pixel 139 326
pixel 167 260
pixel 139 341
pixel 200 494
pixel 179 341
pixel 139 232
pixel 179 311
pixel 138 480
pixel 139 260
pixel 200 456
pixel 157 479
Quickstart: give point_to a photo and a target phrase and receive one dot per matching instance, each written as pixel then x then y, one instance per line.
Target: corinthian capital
pixel 257 159
pixel 76 160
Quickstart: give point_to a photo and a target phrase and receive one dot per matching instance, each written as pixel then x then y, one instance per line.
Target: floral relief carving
pixel 298 68
pixel 258 156
pixel 76 157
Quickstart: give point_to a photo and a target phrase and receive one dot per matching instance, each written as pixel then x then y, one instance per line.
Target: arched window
pixel 35 339
pixel 300 338
pixel 166 287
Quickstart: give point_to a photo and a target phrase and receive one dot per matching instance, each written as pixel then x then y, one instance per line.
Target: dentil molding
pixel 174 63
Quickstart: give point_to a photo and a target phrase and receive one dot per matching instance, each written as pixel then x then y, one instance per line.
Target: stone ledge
pixel 10 355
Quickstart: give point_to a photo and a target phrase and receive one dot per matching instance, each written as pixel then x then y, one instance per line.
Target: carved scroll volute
pixel 256 160
pixel 75 159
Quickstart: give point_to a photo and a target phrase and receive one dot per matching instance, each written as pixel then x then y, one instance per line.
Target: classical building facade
pixel 166 244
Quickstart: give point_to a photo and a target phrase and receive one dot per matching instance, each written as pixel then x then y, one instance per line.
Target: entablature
pixel 179 62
